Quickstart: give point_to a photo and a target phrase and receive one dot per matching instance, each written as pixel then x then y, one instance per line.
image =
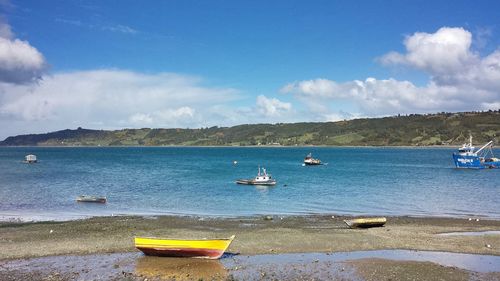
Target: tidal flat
pixel 302 247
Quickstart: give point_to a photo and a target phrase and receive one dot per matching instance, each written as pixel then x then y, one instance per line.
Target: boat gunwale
pixel 203 239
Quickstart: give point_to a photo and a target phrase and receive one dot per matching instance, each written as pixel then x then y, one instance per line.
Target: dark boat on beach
pixel 366 222
pixel 91 199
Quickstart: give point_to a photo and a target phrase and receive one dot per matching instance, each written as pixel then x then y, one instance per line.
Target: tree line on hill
pixel 402 130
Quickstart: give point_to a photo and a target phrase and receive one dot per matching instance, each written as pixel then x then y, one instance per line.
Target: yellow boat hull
pixel 206 248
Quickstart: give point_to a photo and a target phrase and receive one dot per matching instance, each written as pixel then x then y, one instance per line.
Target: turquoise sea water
pixel 200 181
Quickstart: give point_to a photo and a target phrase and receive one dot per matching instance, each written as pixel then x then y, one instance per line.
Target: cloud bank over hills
pixel 31 98
pixel 459 79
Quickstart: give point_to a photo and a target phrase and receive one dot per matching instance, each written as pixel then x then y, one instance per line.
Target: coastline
pixel 237 146
pixel 265 248
pixel 254 235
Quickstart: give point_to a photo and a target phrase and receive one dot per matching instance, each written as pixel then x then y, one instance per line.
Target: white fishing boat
pixel 310 161
pixel 91 199
pixel 262 178
pixel 30 158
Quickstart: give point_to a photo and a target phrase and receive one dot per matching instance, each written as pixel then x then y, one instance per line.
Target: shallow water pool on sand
pixel 322 266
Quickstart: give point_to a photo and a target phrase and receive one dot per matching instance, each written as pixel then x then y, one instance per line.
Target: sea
pixel 200 181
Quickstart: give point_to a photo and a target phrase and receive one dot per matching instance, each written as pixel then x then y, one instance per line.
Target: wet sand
pixel 254 236
pixel 363 265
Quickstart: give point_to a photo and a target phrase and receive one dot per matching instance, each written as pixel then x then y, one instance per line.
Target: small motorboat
pixel 310 161
pixel 30 159
pixel 261 179
pixel 366 222
pixel 91 199
pixel 164 247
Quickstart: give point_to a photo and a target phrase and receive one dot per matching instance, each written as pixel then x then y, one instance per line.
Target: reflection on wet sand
pixel 180 268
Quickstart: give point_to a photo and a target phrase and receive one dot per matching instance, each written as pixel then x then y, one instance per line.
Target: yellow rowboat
pixel 366 222
pixel 205 248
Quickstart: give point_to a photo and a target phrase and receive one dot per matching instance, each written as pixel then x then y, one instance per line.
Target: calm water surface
pixel 200 181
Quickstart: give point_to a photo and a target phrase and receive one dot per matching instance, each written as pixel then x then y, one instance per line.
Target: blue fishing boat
pixel 482 158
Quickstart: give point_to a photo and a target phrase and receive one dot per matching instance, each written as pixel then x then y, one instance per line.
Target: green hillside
pixel 411 130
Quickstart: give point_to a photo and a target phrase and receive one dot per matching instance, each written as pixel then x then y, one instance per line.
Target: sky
pixel 113 64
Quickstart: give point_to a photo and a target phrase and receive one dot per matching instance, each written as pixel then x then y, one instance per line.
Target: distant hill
pixel 409 130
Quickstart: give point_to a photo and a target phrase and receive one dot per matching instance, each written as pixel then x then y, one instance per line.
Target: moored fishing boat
pixel 261 179
pixel 365 222
pixel 202 248
pixel 482 158
pixel 91 199
pixel 30 158
pixel 310 161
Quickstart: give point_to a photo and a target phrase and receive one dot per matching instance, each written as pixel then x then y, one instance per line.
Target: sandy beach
pixel 274 235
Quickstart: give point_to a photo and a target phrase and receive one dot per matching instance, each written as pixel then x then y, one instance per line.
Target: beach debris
pixel 488 246
pixel 268 218
pixel 333 217
pixel 366 222
pixel 477 219
pixel 51 231
pixel 470 219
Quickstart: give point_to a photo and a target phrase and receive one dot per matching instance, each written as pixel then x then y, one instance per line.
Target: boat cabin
pixel 467 149
pixel 30 158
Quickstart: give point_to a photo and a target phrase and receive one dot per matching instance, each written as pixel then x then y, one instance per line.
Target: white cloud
pixel 460 80
pixel 141 119
pixel 120 29
pixel 19 61
pixel 442 53
pixel 271 106
pixel 179 117
pixel 114 98
pixel 448 58
pixel 5 30
pixel 385 97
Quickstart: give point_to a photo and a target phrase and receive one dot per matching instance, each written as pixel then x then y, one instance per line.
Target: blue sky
pixel 126 64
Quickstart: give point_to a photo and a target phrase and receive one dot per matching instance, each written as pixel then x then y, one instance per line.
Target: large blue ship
pixel 482 158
